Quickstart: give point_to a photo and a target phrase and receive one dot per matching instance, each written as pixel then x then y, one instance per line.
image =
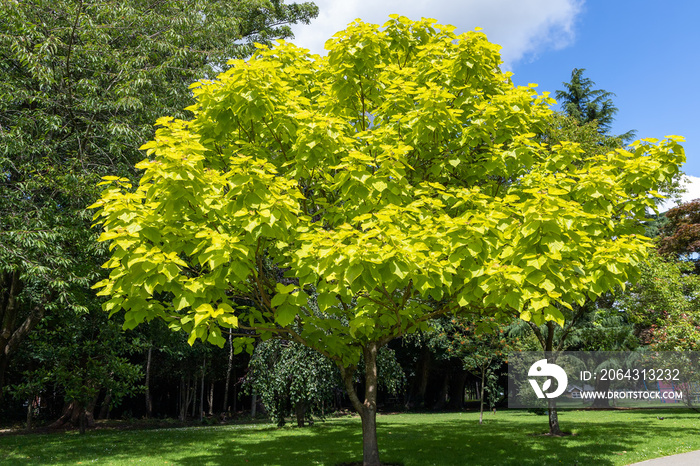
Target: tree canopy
pixel 680 236
pixel 81 84
pixel 664 305
pixel 398 178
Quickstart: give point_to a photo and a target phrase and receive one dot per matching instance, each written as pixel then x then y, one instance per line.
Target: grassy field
pixel 509 437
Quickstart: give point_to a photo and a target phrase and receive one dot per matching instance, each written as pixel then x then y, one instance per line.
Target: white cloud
pixel 692 186
pixel 522 27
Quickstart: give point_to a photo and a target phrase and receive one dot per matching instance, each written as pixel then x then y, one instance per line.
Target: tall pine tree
pixel 580 101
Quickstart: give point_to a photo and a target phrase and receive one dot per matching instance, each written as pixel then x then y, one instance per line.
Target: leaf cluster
pixel 398 178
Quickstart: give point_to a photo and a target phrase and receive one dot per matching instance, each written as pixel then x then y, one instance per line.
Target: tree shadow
pixel 409 439
pixel 454 442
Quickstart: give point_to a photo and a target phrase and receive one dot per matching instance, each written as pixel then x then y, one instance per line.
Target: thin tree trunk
pixel 459 378
pixel 82 421
pixel 201 392
pixel 444 392
pixel 187 396
pixel 368 408
pixel 11 335
pixel 300 411
pixel 149 401
pixel 193 395
pixel 601 386
pixel 370 448
pixel 424 376
pixel 210 398
pixel 10 288
pixel 181 410
pixel 29 413
pixel 228 372
pixel 104 410
pixel 554 428
pixel 235 392
pixel 4 359
pixel 253 404
pixel 481 395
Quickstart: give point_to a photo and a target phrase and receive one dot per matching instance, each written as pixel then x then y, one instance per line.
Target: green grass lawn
pixel 509 437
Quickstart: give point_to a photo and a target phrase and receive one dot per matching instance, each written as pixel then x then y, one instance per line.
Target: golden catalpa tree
pixel 343 201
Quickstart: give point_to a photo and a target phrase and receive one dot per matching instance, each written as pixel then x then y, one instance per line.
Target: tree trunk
pixel 10 334
pixel 186 396
pixel 201 392
pixel 370 448
pixel 76 415
pixel 444 392
pixel 551 403
pixel 481 395
pixel 300 410
pixel 149 400
pixel 235 392
pixel 601 386
pixel 65 417
pixel 368 408
pixel 10 288
pixel 181 400
pixel 4 358
pixel 457 389
pixel 88 412
pixel 104 410
pixel 253 404
pixel 193 391
pixel 423 371
pixel 210 398
pixel 553 418
pixel 228 372
pixel 29 412
pixel 82 421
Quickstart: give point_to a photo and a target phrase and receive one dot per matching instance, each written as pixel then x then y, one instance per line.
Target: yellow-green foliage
pixel 399 177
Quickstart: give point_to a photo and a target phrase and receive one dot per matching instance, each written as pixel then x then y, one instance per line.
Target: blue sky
pixel 645 52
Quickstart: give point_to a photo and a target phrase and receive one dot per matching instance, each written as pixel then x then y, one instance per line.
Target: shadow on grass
pixel 412 439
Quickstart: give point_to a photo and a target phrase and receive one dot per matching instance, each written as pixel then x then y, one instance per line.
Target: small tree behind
pixel 680 237
pixel 291 378
pixel 482 345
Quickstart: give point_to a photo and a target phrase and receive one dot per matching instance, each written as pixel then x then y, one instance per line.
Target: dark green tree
pixel 665 305
pixel 80 359
pixel 564 127
pixel 481 344
pixel 291 378
pixel 81 84
pixel 580 101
